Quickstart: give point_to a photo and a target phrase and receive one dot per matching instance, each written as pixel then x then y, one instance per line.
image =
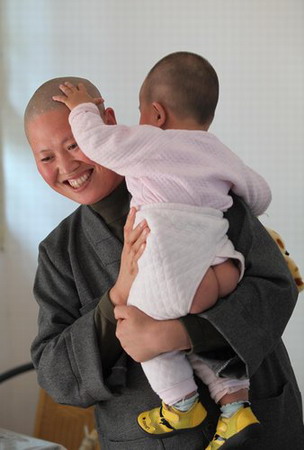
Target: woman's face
pixel 62 164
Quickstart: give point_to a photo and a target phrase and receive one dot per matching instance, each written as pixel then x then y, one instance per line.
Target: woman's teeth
pixel 78 182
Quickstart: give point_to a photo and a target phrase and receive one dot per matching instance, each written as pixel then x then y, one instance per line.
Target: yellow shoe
pixel 232 432
pixel 167 420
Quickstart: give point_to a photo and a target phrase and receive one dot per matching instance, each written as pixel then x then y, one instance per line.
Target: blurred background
pixel 256 48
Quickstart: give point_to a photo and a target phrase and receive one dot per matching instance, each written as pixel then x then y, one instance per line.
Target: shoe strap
pixel 169 415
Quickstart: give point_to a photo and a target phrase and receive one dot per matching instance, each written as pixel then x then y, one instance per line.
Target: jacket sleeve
pixel 105 323
pixel 252 319
pixel 65 352
pixel 253 188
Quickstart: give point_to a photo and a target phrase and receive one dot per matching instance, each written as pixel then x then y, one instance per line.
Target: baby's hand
pixel 75 95
pixel 134 246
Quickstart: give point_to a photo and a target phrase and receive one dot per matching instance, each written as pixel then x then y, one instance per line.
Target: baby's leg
pixel 242 395
pixel 237 422
pixel 218 282
pixel 171 377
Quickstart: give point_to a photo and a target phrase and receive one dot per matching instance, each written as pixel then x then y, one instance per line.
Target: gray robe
pixel 79 261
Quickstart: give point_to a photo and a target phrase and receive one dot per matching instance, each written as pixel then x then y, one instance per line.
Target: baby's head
pixel 180 91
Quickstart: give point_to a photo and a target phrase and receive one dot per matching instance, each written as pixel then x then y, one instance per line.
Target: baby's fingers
pixel 70 86
pixel 67 88
pixel 97 100
pixel 60 98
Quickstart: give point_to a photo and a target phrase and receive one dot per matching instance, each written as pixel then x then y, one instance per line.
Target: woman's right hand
pixel 143 337
pixel 134 246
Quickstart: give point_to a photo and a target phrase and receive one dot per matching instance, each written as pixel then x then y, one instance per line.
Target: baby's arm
pixel 253 188
pixel 123 149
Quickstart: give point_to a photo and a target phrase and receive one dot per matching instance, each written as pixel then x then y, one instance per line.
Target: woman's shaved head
pixel 42 101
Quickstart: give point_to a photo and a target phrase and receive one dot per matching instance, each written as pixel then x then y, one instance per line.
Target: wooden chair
pixel 62 424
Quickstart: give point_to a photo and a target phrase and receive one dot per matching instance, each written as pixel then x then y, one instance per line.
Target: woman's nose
pixel 67 163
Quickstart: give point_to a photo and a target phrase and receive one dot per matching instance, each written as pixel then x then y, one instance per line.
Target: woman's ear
pixel 159 114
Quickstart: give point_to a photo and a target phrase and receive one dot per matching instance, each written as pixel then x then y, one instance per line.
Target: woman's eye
pixel 73 146
pixel 46 159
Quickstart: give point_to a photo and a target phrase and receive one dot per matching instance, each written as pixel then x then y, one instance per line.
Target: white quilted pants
pixel 183 243
pixel 171 377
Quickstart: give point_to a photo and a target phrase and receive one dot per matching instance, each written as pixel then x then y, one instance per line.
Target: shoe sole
pixel 251 432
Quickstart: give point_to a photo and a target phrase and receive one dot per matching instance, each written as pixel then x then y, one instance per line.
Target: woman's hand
pixel 143 337
pixel 134 246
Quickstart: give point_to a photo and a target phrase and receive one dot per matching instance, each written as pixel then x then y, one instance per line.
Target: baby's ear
pixel 159 114
pixel 109 116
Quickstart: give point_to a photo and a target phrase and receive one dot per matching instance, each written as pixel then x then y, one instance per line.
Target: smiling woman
pixel 62 164
pixel 257 47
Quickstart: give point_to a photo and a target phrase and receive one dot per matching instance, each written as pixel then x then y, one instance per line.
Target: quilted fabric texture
pixel 183 242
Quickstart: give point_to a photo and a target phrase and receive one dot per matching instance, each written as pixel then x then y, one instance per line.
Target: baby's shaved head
pixel 42 102
pixel 185 83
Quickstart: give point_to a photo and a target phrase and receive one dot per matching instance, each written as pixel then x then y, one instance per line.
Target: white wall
pixel 256 48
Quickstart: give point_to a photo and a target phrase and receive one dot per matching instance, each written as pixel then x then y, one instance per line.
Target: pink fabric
pixel 218 387
pixel 175 166
pixel 170 376
pixel 185 167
